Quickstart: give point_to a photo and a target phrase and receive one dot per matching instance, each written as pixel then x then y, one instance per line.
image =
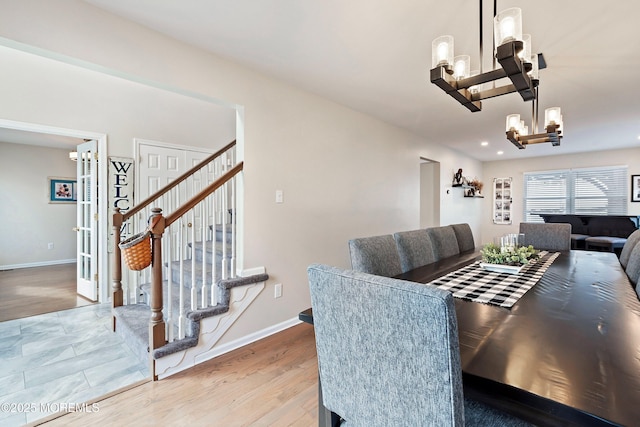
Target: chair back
pixel 547 236
pixel 445 243
pixel 388 351
pixel 414 248
pixel 633 266
pixel 631 242
pixel 375 255
pixel 464 236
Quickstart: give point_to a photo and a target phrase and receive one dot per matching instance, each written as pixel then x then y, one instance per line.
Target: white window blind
pixel 592 191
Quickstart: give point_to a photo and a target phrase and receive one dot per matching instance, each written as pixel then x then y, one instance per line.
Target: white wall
pixel 517 168
pixel 28 222
pixel 344 174
pixel 50 92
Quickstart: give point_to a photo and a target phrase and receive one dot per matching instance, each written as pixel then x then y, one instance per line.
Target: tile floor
pixel 55 359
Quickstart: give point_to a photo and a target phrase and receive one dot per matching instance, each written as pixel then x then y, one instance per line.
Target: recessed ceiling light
pixel 500 153
pixel 485 143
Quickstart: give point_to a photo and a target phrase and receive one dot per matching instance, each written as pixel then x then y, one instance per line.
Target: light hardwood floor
pixel 27 292
pixel 271 382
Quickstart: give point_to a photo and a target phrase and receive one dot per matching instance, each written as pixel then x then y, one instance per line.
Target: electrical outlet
pixel 277 290
pixel 50 246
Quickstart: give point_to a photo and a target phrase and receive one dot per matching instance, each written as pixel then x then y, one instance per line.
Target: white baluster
pixel 166 254
pixel 214 262
pixel 225 265
pixel 194 290
pixel 233 227
pixel 203 215
pixel 217 193
pixel 181 250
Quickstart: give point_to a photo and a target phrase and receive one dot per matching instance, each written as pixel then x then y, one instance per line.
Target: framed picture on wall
pixel 635 188
pixel 62 190
pixel 502 200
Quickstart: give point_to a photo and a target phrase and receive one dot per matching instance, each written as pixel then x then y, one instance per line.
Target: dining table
pixel 567 352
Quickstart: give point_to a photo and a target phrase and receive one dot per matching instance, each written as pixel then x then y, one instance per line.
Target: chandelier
pixel 518 132
pixel 517 65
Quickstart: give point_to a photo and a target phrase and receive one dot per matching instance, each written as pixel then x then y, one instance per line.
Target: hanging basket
pixel 137 249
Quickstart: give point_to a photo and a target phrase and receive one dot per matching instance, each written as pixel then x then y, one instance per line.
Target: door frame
pixel 102 208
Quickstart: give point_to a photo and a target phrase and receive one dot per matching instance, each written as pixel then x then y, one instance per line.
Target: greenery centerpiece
pixel 508 255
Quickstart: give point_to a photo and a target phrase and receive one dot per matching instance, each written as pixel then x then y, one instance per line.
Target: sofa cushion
pixel 606 241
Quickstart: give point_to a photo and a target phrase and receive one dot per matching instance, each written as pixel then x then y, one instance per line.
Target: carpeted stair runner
pixel 132 321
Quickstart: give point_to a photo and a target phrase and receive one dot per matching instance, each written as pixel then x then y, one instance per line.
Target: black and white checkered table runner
pixel 474 283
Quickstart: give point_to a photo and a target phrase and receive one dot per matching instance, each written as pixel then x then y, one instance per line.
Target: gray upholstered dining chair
pixel 403 371
pixel 375 255
pixel 464 235
pixel 632 240
pixel 414 248
pixel 547 236
pixel 633 267
pixel 445 243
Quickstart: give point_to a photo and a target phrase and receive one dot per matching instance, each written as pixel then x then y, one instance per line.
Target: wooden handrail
pixel 175 182
pixel 170 219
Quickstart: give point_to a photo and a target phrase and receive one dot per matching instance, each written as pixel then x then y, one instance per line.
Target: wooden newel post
pixel 156 323
pixel 116 265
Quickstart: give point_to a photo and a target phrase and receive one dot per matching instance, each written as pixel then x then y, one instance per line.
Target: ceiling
pixel 374 56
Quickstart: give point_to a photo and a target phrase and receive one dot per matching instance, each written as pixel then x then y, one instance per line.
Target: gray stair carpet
pixel 132 321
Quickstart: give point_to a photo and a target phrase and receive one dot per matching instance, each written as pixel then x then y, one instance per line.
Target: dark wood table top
pixel 573 339
pixel 567 353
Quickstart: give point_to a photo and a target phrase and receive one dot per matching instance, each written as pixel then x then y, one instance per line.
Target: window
pixel 592 191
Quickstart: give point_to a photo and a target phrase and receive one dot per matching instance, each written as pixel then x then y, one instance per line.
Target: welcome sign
pixel 121 190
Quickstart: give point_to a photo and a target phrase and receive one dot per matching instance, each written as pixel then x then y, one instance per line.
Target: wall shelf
pixel 466 188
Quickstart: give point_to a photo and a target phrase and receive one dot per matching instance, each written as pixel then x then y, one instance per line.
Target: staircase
pixel 174 316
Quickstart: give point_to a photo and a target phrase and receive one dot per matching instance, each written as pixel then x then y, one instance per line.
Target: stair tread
pixel 135 317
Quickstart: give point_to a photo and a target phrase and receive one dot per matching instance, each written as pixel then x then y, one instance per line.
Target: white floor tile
pixel 67 357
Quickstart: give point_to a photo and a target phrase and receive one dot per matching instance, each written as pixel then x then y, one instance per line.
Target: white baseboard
pixel 37 264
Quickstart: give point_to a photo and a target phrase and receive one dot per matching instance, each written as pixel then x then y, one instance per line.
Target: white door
pixel 161 165
pixel 87 220
pixel 158 166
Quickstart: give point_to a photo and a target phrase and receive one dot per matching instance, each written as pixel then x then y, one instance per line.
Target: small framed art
pixel 62 190
pixel 502 198
pixel 635 188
